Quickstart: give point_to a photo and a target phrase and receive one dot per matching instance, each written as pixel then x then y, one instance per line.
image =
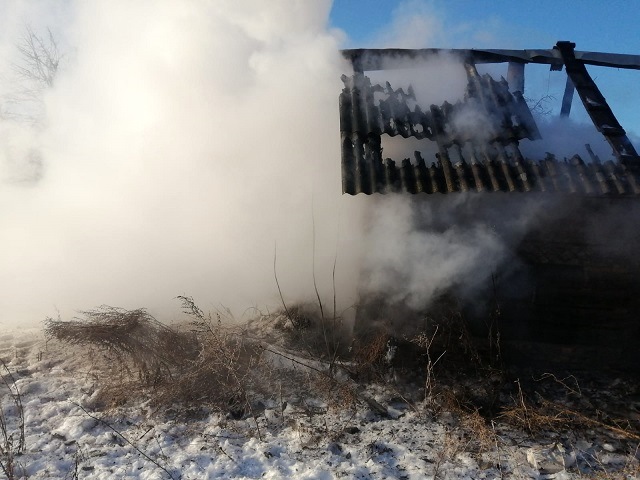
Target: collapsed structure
pixel 466 160
pixel 580 274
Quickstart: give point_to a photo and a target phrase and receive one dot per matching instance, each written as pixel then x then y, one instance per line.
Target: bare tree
pixel 34 71
pixel 22 106
pixel 39 58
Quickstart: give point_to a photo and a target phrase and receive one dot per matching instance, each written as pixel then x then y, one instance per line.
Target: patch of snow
pixel 282 441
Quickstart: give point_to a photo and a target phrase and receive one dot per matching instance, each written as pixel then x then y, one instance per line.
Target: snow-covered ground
pixel 65 438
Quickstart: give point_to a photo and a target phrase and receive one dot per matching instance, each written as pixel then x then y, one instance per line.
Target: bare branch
pixel 39 58
pixel 33 72
pixel 540 107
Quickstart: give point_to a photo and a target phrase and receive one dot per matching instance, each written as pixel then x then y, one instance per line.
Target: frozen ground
pixel 65 438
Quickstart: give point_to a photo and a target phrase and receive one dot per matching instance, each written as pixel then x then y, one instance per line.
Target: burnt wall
pixel 567 294
pixel 581 269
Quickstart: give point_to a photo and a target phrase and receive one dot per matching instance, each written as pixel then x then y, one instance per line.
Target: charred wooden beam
pixel 597 107
pixel 368 59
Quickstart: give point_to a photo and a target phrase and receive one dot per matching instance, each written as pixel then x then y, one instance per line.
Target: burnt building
pixel 573 283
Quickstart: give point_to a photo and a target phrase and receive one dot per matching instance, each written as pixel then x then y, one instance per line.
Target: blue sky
pixel 611 26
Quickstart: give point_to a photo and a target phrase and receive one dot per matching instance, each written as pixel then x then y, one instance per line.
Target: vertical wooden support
pixel 515 77
pixel 567 98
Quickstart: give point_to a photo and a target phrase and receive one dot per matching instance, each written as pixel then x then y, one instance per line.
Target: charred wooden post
pixel 597 108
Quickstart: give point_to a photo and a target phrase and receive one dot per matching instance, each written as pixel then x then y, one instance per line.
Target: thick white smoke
pixel 181 142
pixel 410 262
pixel 420 247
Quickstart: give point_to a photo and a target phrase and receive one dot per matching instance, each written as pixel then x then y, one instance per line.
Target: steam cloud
pixel 180 143
pixel 411 265
pixel 183 141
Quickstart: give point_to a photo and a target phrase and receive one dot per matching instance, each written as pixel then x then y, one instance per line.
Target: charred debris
pixel 487 158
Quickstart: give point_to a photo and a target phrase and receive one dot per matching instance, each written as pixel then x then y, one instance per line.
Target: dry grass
pixel 370 356
pixel 133 337
pixel 12 427
pixel 201 364
pixel 483 437
pixel 337 394
pixel 544 415
pixel 535 420
pixel 204 363
pixel 307 330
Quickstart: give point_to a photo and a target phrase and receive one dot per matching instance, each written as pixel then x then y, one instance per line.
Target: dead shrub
pixel 338 395
pixel 536 419
pixel 483 438
pixel 370 355
pixel 305 328
pixel 12 426
pixel 133 338
pixel 458 364
pixel 445 329
pixel 531 417
pixel 204 363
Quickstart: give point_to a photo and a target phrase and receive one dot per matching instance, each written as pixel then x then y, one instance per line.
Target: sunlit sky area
pixel 593 25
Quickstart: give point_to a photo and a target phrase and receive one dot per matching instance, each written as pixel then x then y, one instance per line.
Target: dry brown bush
pixel 337 394
pixel 204 363
pixel 533 419
pixel 133 337
pixel 12 426
pixel 543 415
pixel 369 355
pixel 306 329
pixel 483 437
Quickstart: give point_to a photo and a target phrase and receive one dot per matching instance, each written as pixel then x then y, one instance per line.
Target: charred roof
pixel 487 158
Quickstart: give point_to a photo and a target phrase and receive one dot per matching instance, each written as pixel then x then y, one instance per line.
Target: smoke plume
pixel 418 248
pixel 180 145
pixel 189 147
